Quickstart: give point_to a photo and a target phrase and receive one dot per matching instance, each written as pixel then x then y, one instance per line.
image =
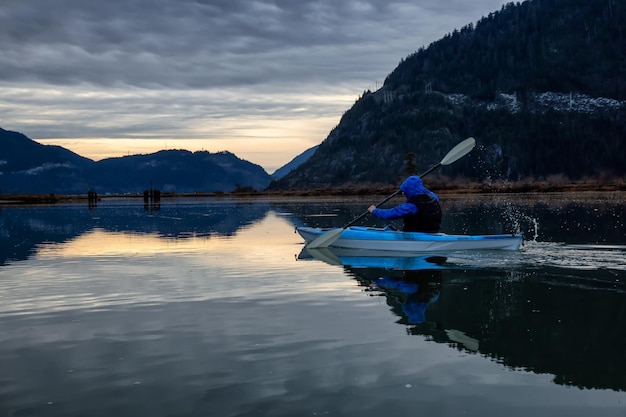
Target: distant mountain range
pixel 294 163
pixel 27 167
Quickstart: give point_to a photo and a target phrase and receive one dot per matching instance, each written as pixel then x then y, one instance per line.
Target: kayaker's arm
pixel 393 213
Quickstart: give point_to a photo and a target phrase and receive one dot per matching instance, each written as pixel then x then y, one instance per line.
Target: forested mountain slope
pixel 541 85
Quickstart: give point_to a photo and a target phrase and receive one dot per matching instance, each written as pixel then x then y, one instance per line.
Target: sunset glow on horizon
pixel 270 144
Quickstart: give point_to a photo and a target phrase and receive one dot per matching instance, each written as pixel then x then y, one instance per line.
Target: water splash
pixel 521 222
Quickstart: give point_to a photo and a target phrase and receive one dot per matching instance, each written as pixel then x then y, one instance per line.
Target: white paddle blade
pixel 459 151
pixel 324 240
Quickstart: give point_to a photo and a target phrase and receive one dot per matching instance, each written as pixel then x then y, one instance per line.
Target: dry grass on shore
pixel 440 185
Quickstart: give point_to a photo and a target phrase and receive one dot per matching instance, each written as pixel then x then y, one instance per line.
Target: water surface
pixel 211 307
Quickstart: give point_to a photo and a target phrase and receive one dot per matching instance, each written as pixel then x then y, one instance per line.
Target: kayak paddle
pixel 456 153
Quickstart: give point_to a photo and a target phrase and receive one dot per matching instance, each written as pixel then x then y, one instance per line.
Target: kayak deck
pixel 371 238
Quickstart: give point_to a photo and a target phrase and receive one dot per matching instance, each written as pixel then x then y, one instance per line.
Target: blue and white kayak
pixel 378 239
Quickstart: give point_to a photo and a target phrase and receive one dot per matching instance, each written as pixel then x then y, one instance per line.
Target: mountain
pixel 541 85
pixel 28 167
pixel 179 171
pixel 294 163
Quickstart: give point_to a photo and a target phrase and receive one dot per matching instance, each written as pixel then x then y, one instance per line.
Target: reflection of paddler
pixel 421 287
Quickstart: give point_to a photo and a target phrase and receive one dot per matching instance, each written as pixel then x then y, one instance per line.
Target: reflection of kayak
pixel 360 259
pixel 411 283
pixel 370 238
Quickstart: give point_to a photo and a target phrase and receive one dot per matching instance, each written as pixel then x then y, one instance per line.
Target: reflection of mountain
pixel 576 332
pixel 23 229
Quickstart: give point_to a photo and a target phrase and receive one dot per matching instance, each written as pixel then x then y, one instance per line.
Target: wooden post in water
pixel 92 199
pixel 151 199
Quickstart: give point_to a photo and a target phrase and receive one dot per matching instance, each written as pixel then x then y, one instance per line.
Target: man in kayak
pixel 421 212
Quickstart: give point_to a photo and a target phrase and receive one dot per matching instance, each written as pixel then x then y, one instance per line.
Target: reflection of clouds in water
pixel 264 233
pixel 101 269
pixel 99 242
pixel 26 228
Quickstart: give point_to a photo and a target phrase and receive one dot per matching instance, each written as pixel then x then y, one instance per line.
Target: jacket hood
pixel 413 186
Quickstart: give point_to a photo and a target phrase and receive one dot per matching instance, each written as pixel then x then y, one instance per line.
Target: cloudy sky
pixel 264 79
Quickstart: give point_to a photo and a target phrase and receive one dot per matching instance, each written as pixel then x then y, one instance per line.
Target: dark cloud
pixel 187 43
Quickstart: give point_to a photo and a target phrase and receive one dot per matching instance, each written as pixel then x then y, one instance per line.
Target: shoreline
pixel 522 188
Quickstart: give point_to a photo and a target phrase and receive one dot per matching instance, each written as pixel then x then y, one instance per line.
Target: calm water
pixel 210 307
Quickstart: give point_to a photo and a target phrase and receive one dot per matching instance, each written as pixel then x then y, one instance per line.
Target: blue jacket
pixel 411 187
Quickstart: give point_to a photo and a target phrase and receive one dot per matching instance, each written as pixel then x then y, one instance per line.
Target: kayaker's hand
pixel 371 208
